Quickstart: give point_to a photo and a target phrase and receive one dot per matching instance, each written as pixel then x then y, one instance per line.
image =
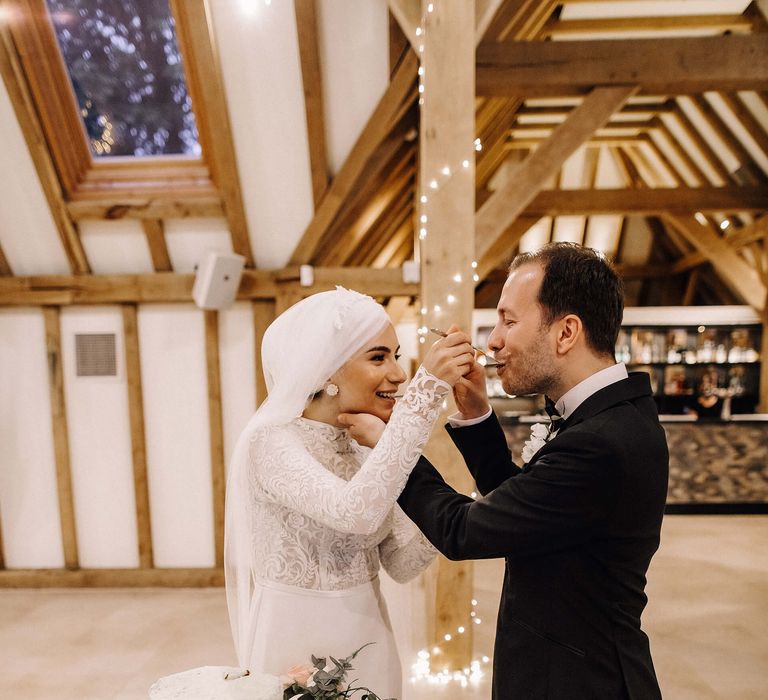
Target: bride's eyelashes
pixel 380 357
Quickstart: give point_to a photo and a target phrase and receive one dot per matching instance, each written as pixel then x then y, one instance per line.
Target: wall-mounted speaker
pixel 217 279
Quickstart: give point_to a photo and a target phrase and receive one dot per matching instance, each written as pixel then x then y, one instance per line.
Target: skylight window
pixel 127 74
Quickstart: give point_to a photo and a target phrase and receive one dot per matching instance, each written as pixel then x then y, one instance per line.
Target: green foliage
pixel 328 684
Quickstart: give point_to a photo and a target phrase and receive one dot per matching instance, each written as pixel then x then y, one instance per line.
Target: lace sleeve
pixel 286 473
pixel 405 552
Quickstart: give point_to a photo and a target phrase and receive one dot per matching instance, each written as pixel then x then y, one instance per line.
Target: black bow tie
pixel 555 419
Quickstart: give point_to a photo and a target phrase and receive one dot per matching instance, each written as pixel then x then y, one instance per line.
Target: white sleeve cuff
pixel 456 421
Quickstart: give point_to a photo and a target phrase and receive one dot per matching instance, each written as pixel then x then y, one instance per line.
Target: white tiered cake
pixel 210 683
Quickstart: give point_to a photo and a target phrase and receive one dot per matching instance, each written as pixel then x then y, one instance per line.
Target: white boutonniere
pixel 538 437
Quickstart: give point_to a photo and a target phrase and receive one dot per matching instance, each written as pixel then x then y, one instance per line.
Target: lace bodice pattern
pixel 323 507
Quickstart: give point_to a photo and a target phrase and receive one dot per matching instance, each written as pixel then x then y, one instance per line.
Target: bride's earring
pixel 331 389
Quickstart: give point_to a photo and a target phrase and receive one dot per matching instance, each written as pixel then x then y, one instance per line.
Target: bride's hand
pixel 365 428
pixel 450 358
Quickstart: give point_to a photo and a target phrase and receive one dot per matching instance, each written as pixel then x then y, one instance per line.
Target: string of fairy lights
pixel 428 666
pixel 430 186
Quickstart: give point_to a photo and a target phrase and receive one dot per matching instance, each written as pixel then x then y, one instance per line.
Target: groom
pixel 579 522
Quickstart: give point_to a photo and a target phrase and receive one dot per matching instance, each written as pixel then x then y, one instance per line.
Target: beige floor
pixel 708 590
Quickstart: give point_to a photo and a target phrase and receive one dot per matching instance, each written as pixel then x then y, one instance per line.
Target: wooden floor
pixel 708 590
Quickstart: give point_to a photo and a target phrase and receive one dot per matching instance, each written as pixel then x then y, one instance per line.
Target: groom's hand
pixel 470 393
pixel 365 428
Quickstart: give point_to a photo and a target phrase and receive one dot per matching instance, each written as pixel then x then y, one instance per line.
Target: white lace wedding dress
pixel 324 520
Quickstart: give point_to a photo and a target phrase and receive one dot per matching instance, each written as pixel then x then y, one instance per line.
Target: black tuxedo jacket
pixel 578 526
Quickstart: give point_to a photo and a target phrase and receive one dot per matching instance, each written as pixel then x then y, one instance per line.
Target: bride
pixel 310 513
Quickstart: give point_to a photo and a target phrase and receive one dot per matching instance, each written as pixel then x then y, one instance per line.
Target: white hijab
pixel 301 349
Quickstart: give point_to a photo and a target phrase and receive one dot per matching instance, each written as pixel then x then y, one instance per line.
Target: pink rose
pixel 300 673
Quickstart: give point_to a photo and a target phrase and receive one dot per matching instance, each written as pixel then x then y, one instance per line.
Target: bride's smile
pixel 369 381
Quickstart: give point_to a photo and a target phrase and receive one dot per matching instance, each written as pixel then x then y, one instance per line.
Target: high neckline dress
pixel 323 520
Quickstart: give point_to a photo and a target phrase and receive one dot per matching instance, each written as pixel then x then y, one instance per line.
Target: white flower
pixel 537 440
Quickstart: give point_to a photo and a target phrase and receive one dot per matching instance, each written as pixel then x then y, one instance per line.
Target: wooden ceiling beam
pixel 393 198
pixel 531 144
pixel 748 166
pixel 493 138
pixel 505 22
pixel 386 257
pixel 730 266
pixel 311 76
pixel 680 200
pixel 206 85
pixel 628 109
pixel 702 144
pixel 629 172
pixel 381 241
pixel 176 207
pixel 19 91
pixel 170 287
pixel 408 16
pixel 5 267
pixel 744 115
pixel 404 252
pixel 607 130
pixel 390 172
pixel 659 66
pixel 384 116
pixel 503 248
pixel 398 44
pixel 677 148
pixel 735 24
pixel 751 233
pixel 158 249
pixel 660 153
pixel 504 206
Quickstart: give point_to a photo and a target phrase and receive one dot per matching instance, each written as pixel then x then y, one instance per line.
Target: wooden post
pixel 215 429
pixel 138 441
pixel 263 315
pixel 446 232
pixel 60 437
pixel 2 552
pixel 762 406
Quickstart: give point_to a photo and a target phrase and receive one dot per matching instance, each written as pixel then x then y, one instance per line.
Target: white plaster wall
pixel 100 446
pixel 603 233
pixel 536 236
pixel 115 247
pixel 188 241
pixel 237 359
pixel 29 509
pixel 569 229
pixel 354 55
pixel 638 241
pixel 173 373
pixel 28 234
pixel 259 55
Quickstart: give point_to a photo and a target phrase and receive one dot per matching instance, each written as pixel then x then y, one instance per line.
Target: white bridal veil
pixel 301 349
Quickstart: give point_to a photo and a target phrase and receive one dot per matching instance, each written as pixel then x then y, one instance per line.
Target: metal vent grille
pixel 96 355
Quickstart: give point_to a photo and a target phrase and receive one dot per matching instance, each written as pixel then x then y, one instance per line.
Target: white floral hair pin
pixel 342 310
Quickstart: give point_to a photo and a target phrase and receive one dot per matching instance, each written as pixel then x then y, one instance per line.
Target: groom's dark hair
pixel 579 281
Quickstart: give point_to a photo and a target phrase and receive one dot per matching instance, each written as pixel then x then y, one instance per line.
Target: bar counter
pixel 715 465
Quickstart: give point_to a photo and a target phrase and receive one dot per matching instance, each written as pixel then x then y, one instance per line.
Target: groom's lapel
pixel 636 385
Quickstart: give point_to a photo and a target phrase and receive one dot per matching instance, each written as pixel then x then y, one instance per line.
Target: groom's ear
pixel 569 332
